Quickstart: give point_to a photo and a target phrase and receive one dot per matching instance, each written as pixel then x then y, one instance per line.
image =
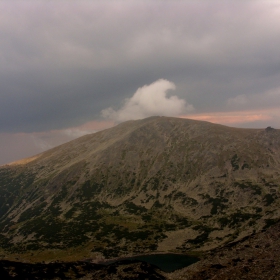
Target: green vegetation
pixel 268 199
pixel 258 209
pixel 200 239
pixel 155 183
pixel 14 187
pixel 203 237
pixel 247 185
pixel 235 219
pixel 5 242
pixel 245 165
pixel 89 189
pixel 218 203
pixel 131 208
pixel 234 162
pixel 185 199
pixel 32 212
pixel 270 222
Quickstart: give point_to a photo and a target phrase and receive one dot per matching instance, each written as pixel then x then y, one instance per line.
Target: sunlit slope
pixel 158 184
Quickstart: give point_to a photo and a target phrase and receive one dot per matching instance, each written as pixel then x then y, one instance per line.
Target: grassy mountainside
pixel 158 184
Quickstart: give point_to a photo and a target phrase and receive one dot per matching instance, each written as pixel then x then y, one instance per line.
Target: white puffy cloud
pixel 150 100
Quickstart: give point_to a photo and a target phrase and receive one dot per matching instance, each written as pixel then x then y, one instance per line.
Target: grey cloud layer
pixel 63 62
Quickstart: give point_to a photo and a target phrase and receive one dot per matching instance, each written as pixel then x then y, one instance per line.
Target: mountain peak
pixel 157 184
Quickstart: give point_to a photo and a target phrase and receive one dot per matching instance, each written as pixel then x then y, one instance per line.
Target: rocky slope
pixel 158 184
pixel 255 257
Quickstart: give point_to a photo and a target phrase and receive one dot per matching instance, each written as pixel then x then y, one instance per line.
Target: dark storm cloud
pixel 63 62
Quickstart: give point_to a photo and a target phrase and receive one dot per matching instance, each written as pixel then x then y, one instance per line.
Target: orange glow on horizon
pixel 231 117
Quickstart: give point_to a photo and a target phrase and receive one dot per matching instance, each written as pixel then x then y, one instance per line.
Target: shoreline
pixel 127 257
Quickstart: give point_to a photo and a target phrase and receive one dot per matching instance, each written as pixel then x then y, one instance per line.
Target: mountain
pixel 154 185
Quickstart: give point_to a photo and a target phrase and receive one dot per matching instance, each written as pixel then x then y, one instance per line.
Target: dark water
pixel 166 262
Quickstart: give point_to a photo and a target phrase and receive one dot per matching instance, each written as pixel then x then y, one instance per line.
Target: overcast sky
pixel 68 68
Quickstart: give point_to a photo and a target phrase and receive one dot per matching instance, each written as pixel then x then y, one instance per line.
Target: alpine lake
pixel 166 262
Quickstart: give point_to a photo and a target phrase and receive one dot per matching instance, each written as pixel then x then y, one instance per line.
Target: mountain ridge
pixel 158 184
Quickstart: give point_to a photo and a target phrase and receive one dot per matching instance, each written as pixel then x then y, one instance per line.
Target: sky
pixel 69 68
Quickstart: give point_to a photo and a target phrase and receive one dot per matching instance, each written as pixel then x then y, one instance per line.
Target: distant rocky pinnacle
pixel 153 185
